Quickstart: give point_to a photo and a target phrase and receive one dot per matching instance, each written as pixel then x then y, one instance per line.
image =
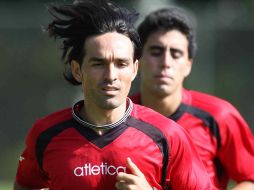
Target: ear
pixel 135 69
pixel 188 67
pixel 76 71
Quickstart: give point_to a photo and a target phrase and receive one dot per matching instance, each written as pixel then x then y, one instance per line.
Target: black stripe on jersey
pixel 179 112
pixel 46 136
pixel 206 117
pixel 101 140
pixel 158 137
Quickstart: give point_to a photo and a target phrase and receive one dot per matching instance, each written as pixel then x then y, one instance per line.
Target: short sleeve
pixel 28 173
pixel 237 146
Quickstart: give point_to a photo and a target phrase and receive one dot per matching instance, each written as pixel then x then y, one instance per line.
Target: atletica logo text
pixel 102 169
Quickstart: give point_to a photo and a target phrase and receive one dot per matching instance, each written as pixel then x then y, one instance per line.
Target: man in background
pixel 222 137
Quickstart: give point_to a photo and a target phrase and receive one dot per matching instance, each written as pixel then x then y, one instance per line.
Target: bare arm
pixel 245 185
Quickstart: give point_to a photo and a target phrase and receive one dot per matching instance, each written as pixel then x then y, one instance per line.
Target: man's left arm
pixel 237 149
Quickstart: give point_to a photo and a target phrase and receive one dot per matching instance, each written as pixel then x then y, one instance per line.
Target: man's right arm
pixel 28 164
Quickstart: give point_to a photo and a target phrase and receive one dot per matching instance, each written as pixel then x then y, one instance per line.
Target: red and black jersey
pixel 63 152
pixel 222 137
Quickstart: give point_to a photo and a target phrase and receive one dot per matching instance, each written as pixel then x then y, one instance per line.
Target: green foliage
pixel 6 185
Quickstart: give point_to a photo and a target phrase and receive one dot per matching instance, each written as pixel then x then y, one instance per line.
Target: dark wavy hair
pixel 74 23
pixel 167 19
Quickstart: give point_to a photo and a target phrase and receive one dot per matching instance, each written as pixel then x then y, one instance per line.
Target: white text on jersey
pixel 102 169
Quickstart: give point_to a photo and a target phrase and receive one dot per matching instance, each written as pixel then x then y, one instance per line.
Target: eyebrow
pixel 176 49
pixel 156 47
pixel 161 48
pixel 98 59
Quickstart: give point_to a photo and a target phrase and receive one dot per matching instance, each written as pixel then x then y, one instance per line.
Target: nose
pixel 166 60
pixel 111 72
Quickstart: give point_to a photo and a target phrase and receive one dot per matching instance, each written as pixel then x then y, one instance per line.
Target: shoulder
pixel 149 115
pixel 217 107
pixel 161 128
pixel 146 115
pixel 49 121
pixel 226 116
pixel 55 118
pixel 43 124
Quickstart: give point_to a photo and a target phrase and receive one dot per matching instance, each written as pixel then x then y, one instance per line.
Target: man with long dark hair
pixel 104 141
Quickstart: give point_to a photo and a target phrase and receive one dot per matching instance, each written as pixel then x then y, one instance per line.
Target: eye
pixel 156 52
pixel 122 63
pixel 176 54
pixel 97 63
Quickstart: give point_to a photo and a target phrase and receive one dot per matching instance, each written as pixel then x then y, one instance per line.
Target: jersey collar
pixel 76 109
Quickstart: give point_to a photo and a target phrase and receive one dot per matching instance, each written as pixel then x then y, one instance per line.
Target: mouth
pixel 166 76
pixel 163 78
pixel 110 90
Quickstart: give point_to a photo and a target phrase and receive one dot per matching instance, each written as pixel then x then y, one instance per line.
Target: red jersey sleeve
pixel 237 145
pixel 186 170
pixel 28 173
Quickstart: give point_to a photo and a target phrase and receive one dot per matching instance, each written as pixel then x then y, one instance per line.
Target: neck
pixel 99 117
pixel 164 104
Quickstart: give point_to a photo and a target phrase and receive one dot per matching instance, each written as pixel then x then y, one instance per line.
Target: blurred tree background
pixel 32 82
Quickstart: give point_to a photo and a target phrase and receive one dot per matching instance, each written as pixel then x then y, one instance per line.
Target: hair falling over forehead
pixel 74 23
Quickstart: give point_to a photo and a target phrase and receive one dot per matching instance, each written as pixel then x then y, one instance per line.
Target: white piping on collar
pixel 107 126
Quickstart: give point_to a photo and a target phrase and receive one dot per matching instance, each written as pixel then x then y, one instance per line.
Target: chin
pixel 162 91
pixel 110 104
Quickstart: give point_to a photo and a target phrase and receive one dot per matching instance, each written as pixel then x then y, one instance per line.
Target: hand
pixel 134 181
